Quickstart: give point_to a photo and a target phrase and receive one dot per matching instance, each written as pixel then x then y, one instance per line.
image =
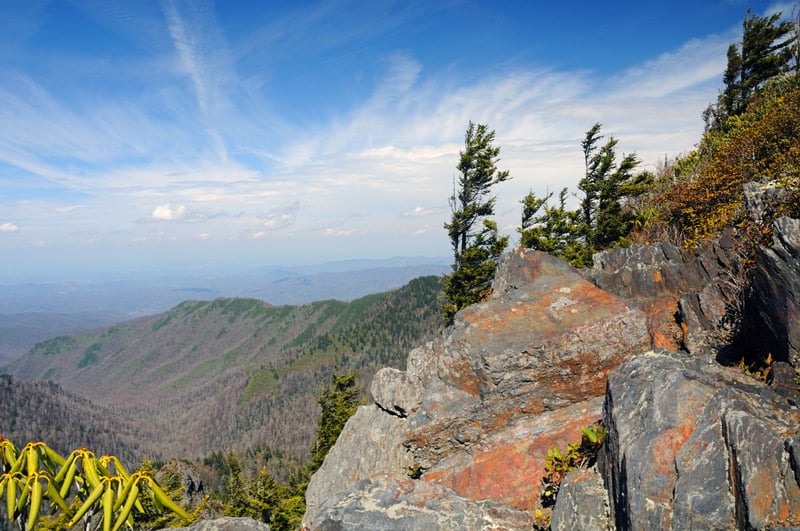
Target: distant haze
pixel 144 294
pixel 32 312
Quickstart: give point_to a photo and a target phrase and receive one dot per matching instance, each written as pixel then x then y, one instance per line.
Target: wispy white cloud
pixel 167 213
pixel 787 8
pixel 423 212
pixel 185 214
pixel 206 151
pixel 696 63
pixel 201 52
pixel 8 227
pixel 202 56
pixel 339 233
pixel 281 217
pixel 70 208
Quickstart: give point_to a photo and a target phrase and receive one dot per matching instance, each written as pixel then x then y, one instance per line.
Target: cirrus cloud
pixel 281 217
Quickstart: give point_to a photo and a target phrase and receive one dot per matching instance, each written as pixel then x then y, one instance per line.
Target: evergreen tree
pixel 731 99
pixel 473 235
pixel 237 502
pixel 289 512
pixel 555 230
pixel 596 166
pixel 614 219
pixel 607 186
pixel 766 51
pixel 604 217
pixel 264 495
pixel 339 401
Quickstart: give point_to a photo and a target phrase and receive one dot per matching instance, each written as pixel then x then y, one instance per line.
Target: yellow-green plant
pixel 78 486
pixel 759 369
pixel 579 453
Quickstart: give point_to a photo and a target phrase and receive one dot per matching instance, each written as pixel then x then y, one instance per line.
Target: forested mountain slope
pixel 232 373
pixel 46 411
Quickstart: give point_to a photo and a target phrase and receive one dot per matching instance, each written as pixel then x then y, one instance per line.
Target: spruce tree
pixel 766 51
pixel 264 495
pixel 339 401
pixel 604 217
pixel 607 186
pixel 237 502
pixel 614 219
pixel 555 230
pixel 474 237
pixel 731 99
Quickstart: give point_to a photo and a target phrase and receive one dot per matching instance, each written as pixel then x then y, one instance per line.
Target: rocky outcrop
pixel 476 410
pixel 685 294
pixel 693 444
pixel 227 523
pixel 390 503
pixel 370 444
pixel 775 308
pixel 547 339
pixel 459 439
pixel 186 474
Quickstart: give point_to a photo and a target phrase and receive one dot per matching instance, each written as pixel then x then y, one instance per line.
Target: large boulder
pixel 475 411
pixel 686 294
pixel 692 444
pixel 775 308
pixel 546 339
pixel 371 443
pixel 389 503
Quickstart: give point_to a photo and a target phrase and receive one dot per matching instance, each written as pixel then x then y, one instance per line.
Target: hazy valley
pixel 217 375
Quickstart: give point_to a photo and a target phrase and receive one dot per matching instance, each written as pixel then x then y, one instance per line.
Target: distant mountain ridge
pixel 232 373
pixel 19 332
pixel 32 312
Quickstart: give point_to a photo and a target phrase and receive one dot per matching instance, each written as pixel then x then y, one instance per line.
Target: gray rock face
pixel 394 393
pixel 370 443
pixel 782 380
pixel 759 195
pixel 695 445
pixel 582 503
pixel 392 504
pixel 228 523
pixel 776 293
pixel 547 339
pixel 685 294
pixel 193 491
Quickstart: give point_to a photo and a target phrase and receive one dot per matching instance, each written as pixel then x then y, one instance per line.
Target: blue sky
pixel 191 135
